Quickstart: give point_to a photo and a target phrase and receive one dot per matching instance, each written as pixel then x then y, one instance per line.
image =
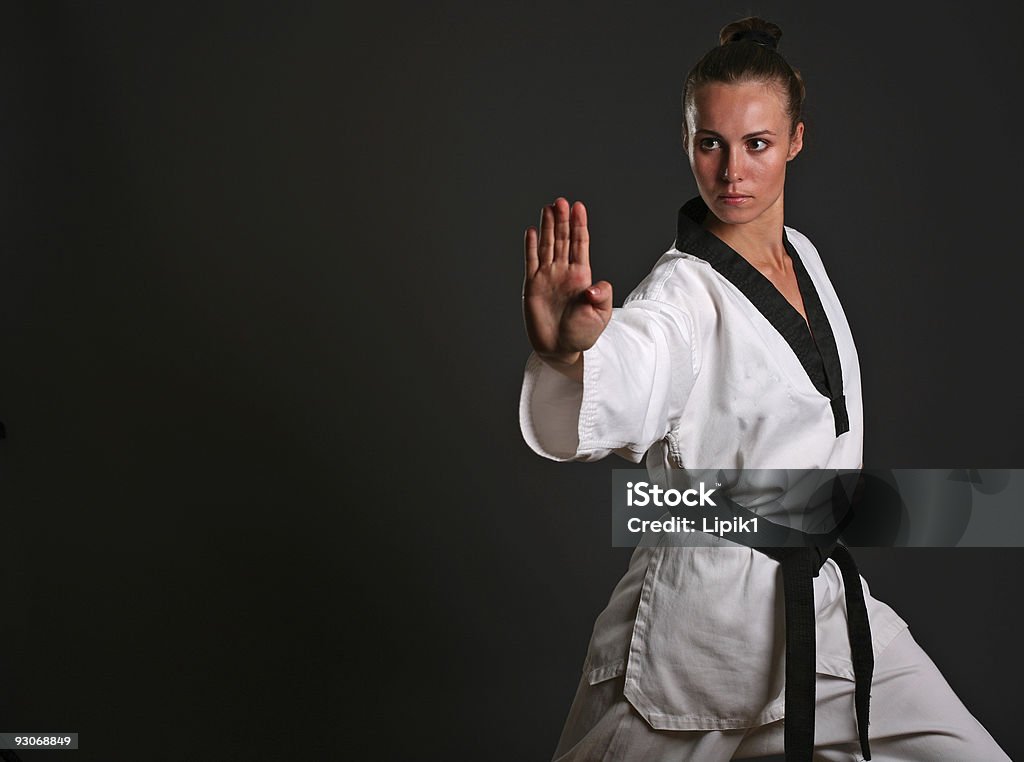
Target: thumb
pixel 599 295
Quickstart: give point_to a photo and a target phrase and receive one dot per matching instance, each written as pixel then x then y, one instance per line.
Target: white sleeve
pixel 636 380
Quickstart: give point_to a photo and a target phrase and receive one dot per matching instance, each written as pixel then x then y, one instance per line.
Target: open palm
pixel 565 311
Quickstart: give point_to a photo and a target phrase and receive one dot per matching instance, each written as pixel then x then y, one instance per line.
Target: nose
pixel 732 171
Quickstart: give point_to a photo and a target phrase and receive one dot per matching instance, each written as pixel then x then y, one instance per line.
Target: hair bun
pixel 753 29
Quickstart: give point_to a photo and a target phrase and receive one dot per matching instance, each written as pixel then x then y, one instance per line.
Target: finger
pixel 599 295
pixel 530 250
pixel 561 230
pixel 547 236
pixel 579 236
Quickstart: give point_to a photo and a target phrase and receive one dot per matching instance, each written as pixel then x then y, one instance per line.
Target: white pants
pixel 915 715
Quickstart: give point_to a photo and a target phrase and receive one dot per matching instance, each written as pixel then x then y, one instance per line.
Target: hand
pixel 565 312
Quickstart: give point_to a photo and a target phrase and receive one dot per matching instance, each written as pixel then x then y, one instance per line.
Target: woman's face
pixel 738 141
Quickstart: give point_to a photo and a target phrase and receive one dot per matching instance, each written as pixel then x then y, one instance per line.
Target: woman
pixel 733 353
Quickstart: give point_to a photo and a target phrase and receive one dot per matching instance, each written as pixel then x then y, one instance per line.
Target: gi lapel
pixel 818 354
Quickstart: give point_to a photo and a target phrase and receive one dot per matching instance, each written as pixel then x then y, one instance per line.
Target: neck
pixel 758 241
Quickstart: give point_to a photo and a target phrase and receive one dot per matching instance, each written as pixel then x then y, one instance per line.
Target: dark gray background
pixel 264 491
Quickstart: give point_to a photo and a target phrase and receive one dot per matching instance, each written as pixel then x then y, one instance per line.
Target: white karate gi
pixel 693 372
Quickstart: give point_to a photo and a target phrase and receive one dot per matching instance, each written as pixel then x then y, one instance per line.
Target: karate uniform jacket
pixel 706 366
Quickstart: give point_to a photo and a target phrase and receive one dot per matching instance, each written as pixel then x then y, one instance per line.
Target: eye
pixel 757 144
pixel 708 144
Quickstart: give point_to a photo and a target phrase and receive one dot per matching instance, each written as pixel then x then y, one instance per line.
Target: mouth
pixel 734 199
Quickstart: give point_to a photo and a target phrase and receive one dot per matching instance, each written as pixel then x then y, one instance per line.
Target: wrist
pixel 569 364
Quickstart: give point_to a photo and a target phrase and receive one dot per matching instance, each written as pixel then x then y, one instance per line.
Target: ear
pixel 796 143
pixel 686 140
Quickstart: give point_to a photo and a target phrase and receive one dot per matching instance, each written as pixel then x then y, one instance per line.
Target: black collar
pixel 816 349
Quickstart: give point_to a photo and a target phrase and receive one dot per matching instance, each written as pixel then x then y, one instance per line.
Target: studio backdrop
pixel 263 487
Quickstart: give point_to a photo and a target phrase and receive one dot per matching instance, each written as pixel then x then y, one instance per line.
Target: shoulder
pixel 674 276
pixel 803 245
pixel 812 261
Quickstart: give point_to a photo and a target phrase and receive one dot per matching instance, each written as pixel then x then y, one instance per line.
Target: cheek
pixel 772 169
pixel 704 166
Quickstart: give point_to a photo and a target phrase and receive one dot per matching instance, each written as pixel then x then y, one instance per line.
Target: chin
pixel 733 215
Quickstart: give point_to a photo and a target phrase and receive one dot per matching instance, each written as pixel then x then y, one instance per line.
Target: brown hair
pixel 746 53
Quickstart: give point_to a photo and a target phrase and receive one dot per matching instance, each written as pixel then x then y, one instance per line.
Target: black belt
pixel 800 565
pixel 799 568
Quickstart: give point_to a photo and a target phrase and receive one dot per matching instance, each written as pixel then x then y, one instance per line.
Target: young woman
pixel 733 353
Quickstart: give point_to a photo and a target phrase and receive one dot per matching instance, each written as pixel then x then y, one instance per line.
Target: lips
pixel 734 199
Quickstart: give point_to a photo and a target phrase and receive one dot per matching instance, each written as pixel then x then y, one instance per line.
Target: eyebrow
pixel 745 137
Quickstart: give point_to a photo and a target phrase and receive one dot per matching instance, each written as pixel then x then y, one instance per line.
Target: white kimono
pixel 707 366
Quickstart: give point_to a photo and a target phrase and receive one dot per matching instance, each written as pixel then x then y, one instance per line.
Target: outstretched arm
pixel 582 397
pixel 565 312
